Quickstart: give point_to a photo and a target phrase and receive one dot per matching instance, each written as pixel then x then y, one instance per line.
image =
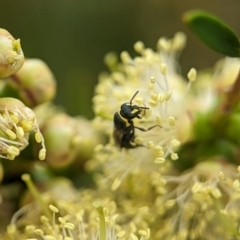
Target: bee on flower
pixel 151 86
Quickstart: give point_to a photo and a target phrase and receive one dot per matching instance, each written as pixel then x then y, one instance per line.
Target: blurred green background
pixel 72 36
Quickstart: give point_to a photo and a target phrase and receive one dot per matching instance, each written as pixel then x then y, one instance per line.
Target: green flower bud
pixel 59 133
pixel 11 54
pixel 16 123
pixel 35 83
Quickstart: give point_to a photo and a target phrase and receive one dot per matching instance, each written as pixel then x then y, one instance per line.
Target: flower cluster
pixel 169 166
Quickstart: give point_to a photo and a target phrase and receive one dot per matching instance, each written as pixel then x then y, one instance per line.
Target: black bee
pixel 124 129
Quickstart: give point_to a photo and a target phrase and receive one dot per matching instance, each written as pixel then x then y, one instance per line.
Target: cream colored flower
pixel 202 203
pixel 16 123
pixel 162 90
pixel 85 215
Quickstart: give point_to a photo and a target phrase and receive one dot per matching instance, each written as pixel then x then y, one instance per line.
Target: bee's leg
pixel 148 129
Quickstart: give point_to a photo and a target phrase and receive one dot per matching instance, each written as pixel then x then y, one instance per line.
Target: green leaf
pixel 213 32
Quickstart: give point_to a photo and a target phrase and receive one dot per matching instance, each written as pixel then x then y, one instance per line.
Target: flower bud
pixel 16 123
pixel 59 133
pixel 11 54
pixel 35 83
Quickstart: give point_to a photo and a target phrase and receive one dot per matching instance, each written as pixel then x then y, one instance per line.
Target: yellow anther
pixel 14 118
pixel 53 208
pixel 20 133
pixel 42 154
pixel 150 144
pixel 125 57
pixel 38 137
pixel 133 236
pixel 163 68
pixel 192 74
pixel 44 219
pixel 216 193
pixel 39 232
pixel 158 119
pixel 61 220
pixel 153 103
pixel 13 150
pixel 121 234
pixel 175 143
pixel 142 232
pixel 27 125
pixel 159 160
pixel 174 156
pixel 170 203
pixel 69 226
pixel 10 156
pixel 139 46
pixel 171 121
pixel 152 80
pixel 11 134
pixel 197 187
pixel 30 229
pixel 115 184
pixel 160 97
pixel 221 176
pixel 236 183
pixel 179 41
pixel 154 96
pixel 168 95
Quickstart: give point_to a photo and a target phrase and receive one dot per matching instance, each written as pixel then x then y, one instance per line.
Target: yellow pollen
pixel 236 183
pixel 153 103
pixel 152 80
pixel 38 137
pixel 163 68
pixel 221 176
pixel 42 154
pixel 170 203
pixel 53 209
pixel 16 45
pixel 174 156
pixel 160 97
pixel 216 193
pixel 167 96
pixel 139 46
pixel 61 220
pixel 11 134
pixel 154 96
pixel 69 226
pixel 159 160
pixel 192 74
pixel 150 144
pixel 175 143
pixel 171 121
pixel 197 187
pixel 20 133
pixel 27 125
pixel 13 150
pixel 125 57
pixel 39 232
pixel 121 234
pixel 14 118
pixel 133 236
pixel 10 156
pixel 115 184
pixel 44 219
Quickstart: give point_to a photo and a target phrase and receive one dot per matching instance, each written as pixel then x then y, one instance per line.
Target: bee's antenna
pixel 133 97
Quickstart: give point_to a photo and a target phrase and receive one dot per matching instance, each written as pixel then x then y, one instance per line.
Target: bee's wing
pixel 118 136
